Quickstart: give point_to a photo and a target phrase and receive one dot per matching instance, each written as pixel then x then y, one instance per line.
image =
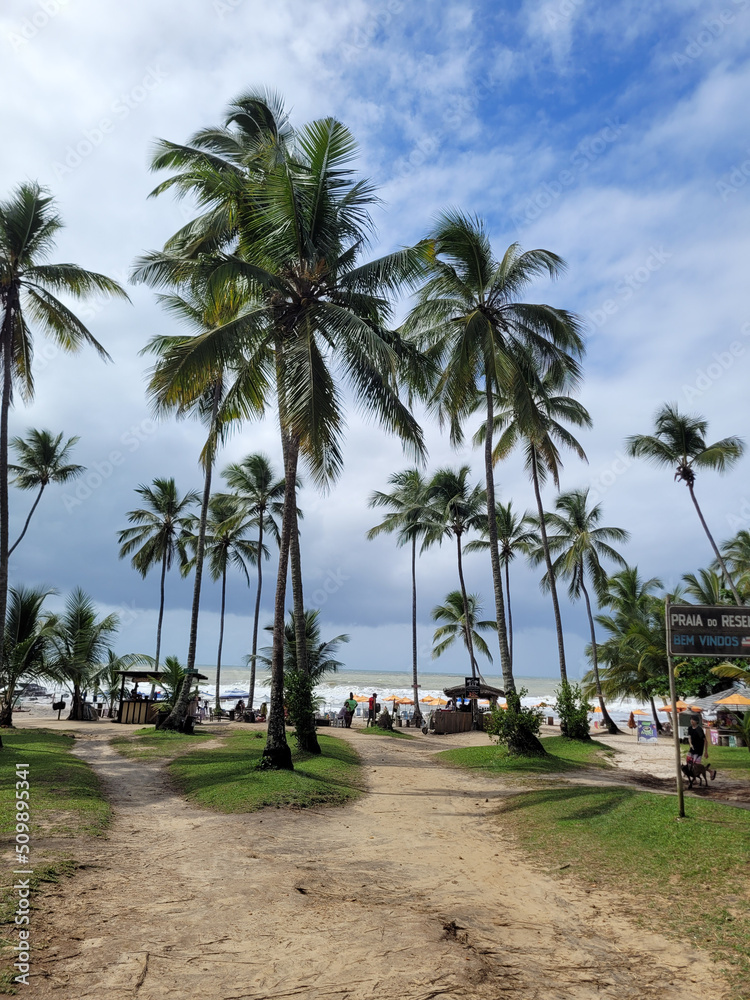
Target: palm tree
pixel 157 534
pixel 287 218
pixel 409 516
pixel 532 417
pixel 26 644
pixel 28 294
pixel 469 316
pixel 79 644
pixel 255 483
pixel 455 508
pixel 736 553
pixel 513 537
pixel 707 587
pixel 225 545
pixel 455 624
pixel 680 441
pixel 581 543
pixel 187 382
pixel 42 459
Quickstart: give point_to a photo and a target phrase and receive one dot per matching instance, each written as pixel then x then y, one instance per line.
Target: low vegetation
pixel 563 754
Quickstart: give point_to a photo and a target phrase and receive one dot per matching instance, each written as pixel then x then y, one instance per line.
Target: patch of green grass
pixel 65 796
pixel 735 761
pixel 158 744
pixel 377 731
pixel 619 837
pixel 226 778
pixel 562 755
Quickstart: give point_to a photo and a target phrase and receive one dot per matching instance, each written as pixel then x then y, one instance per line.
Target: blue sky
pixel 612 134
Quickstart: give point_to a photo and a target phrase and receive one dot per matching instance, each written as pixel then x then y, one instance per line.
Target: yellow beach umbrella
pixel 734 699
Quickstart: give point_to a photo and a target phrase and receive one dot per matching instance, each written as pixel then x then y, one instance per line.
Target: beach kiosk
pixel 460 719
pixel 141 709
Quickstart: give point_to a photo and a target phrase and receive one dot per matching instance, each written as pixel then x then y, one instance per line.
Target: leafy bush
pixel 516 726
pixel 573 710
pixel 384 720
pixel 298 690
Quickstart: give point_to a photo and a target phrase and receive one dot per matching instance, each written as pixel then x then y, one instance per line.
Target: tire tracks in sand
pixel 412 892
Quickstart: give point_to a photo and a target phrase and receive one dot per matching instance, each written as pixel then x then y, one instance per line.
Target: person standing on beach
pixel 698 744
pixel 371 709
pixel 351 707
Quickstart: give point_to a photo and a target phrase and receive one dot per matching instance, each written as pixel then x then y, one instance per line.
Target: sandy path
pixel 412 892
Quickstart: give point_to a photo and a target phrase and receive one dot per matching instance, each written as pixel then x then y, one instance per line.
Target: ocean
pixel 332 691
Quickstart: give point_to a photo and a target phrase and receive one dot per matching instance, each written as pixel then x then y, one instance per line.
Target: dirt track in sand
pixel 412 892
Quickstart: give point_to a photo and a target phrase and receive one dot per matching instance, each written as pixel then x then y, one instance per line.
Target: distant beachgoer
pixel 351 707
pixel 697 740
pixel 371 708
pixel 631 721
pixel 239 709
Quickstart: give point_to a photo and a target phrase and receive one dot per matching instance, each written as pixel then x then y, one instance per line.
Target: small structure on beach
pixel 461 720
pixel 140 709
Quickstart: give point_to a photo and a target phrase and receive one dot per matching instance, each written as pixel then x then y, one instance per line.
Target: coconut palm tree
pixel 42 459
pixel 409 516
pixel 580 543
pixel 455 507
pixel 513 537
pixel 470 318
pixel 225 543
pixel 157 534
pixel 707 587
pixel 455 624
pixel 28 295
pixel 78 645
pixel 533 417
pixel 291 223
pixel 680 442
pixel 736 554
pixel 26 644
pixel 255 483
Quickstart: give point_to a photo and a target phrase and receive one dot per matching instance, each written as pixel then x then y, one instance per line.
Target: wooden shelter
pixel 142 710
pixel 457 720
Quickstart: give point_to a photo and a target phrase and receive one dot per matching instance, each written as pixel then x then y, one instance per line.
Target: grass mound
pixel 379 731
pixel 158 744
pixel 563 754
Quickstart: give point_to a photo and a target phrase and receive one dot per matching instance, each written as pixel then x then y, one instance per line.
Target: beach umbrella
pixel 361 698
pixel 405 701
pixel 734 699
pixel 639 711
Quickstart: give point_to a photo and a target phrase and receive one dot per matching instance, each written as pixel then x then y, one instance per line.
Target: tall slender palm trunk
pixel 497 579
pixel 550 573
pixel 276 754
pixel 305 729
pixel 6 355
pixel 414 677
pixel 221 636
pixel 256 618
pixel 34 506
pixel 161 608
pixel 721 562
pixel 606 718
pixel 178 717
pixel 510 616
pixel 467 625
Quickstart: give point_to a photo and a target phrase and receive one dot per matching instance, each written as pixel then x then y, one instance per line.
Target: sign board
pixel 471 685
pixel 647 732
pixel 700 630
pixel 714 737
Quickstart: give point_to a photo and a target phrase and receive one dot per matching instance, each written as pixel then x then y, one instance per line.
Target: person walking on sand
pixel 351 707
pixel 371 709
pixel 698 746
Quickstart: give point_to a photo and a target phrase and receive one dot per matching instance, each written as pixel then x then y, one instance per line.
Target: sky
pixel 614 135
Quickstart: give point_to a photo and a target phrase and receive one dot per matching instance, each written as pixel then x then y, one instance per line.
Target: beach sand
pixel 412 892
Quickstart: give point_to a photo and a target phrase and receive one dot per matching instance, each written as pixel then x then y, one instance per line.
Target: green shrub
pixel 384 720
pixel 573 710
pixel 516 726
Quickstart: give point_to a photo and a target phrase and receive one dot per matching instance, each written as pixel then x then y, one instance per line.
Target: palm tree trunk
pixel 33 508
pixel 6 355
pixel 606 718
pixel 178 717
pixel 510 615
pixel 550 573
pixel 467 625
pixel 161 608
pixel 497 579
pixel 725 571
pixel 251 695
pixel 276 754
pixel 655 714
pixel 414 678
pixel 221 635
